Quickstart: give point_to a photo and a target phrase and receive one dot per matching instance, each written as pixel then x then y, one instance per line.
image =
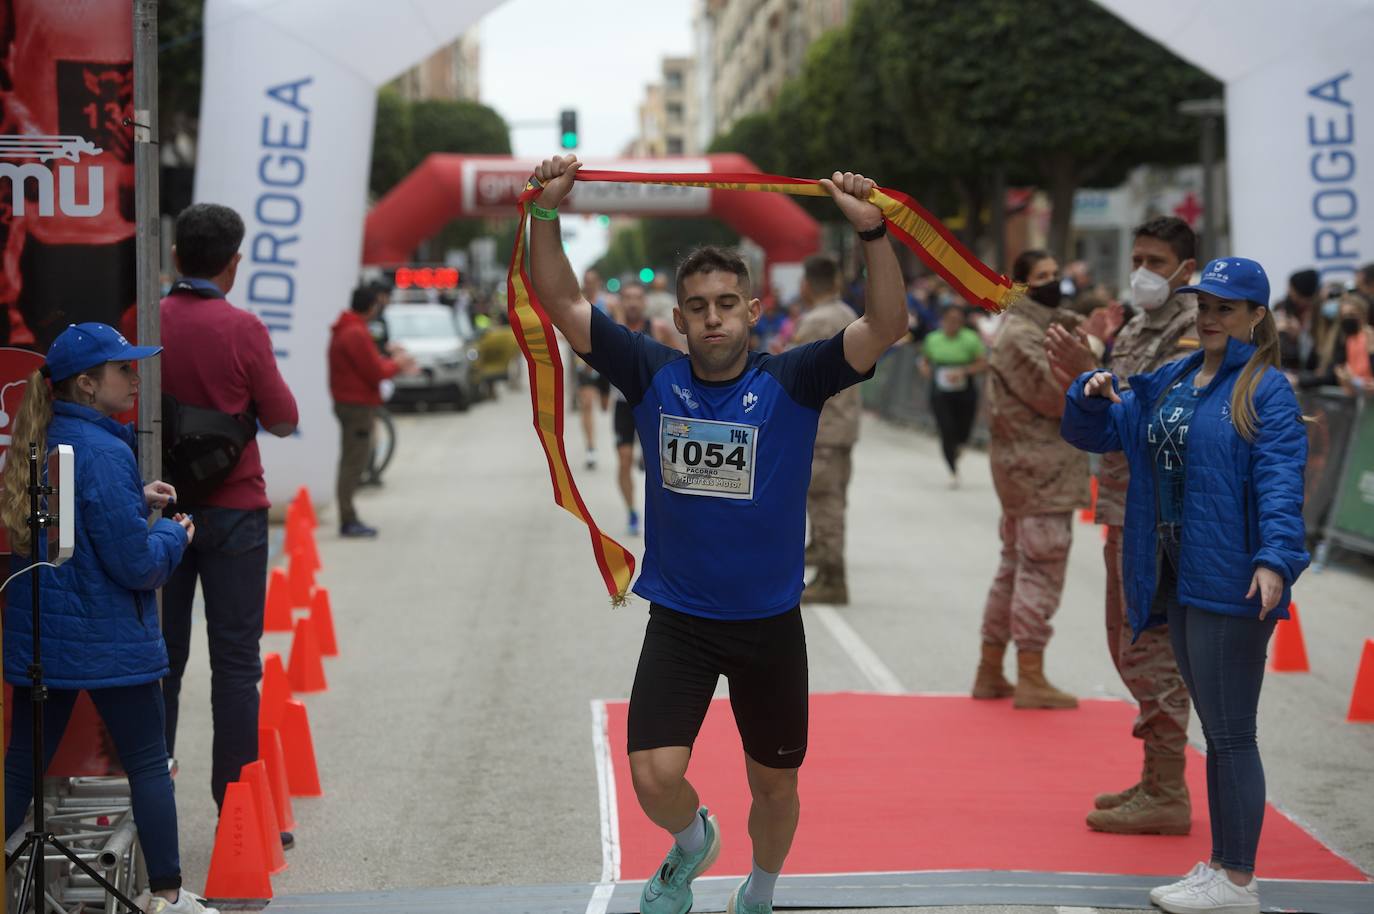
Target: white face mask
pixel 1149 290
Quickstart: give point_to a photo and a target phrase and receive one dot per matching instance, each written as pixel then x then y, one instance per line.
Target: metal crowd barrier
pixel 899 394
pixel 1339 488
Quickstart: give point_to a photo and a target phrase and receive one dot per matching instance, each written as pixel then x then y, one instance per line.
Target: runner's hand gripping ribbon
pixel 906 220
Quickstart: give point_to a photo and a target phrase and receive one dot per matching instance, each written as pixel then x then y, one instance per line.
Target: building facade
pixel 746 50
pixel 668 115
pixel 451 73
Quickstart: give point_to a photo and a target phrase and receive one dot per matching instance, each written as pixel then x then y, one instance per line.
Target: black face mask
pixel 1350 325
pixel 1049 295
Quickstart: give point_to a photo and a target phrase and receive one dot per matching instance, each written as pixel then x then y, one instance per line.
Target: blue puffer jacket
pixel 1242 500
pixel 99 609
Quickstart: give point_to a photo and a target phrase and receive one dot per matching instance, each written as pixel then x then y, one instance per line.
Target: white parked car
pixel 445 354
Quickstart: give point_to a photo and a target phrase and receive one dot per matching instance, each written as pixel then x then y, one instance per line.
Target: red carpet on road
pixel 910 782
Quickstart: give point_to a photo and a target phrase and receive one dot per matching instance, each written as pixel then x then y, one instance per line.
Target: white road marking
pixel 882 679
pixel 610 816
pixel 1063 910
pixel 601 898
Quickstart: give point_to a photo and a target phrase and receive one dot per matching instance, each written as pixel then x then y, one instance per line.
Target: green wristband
pixel 538 212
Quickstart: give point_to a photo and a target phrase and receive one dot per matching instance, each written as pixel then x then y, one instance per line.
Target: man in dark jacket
pixel 220 357
pixel 356 369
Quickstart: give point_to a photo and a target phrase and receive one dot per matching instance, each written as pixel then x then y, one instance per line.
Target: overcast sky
pixel 541 56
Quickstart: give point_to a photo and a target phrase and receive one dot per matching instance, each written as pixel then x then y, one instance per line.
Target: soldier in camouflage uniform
pixel 1163 329
pixel 1040 481
pixel 826 316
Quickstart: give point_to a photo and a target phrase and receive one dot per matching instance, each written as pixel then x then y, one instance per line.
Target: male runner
pixel 632 313
pixel 727 437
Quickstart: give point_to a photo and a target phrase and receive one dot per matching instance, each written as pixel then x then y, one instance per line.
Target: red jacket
pixel 356 367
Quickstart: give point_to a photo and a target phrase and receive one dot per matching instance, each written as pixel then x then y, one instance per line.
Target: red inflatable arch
pixel 449 186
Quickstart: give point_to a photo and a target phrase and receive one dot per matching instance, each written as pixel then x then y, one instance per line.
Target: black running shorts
pixel 764 661
pixel 624 424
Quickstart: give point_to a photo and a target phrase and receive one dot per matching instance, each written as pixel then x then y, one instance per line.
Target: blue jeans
pixel 133 717
pixel 1222 661
pixel 229 558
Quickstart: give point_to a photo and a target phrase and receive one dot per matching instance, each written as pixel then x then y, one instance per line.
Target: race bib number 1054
pixel 705 457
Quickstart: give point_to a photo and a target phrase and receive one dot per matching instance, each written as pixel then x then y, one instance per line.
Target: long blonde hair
pixel 1266 341
pixel 30 424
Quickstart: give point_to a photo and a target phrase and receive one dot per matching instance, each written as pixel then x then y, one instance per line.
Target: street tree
pixel 1059 93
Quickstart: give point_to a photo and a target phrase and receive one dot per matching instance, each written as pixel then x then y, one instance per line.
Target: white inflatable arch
pixel 1299 81
pixel 286 122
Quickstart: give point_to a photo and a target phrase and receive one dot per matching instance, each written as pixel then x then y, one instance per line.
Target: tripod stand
pixel 39 838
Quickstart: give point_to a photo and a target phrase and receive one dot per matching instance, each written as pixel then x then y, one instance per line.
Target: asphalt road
pixel 455 741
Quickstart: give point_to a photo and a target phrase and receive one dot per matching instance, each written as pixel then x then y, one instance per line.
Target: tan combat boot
pixel 1160 807
pixel 1113 800
pixel 990 683
pixel 1033 690
pixel 829 587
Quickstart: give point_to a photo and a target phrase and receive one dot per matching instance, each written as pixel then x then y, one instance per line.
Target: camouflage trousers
pixel 1147 667
pixel 1030 579
pixel 825 504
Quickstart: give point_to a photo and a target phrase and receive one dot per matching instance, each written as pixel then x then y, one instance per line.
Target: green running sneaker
pixel 737 905
pixel 670 889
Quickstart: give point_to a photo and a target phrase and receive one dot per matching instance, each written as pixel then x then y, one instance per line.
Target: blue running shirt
pixel 1167 435
pixel 727 466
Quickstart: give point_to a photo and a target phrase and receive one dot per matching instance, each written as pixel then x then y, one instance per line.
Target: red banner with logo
pixel 67 230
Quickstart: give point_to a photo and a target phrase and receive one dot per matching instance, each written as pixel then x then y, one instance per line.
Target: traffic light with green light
pixel 567 129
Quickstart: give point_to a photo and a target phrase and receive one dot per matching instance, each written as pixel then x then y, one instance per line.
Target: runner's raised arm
pixel 884 320
pixel 554 280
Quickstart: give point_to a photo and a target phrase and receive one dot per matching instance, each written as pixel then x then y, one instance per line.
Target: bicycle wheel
pixel 383 444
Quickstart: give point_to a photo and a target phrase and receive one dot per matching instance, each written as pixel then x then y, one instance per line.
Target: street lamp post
pixel 1211 111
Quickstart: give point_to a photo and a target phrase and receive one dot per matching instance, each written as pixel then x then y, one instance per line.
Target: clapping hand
pixel 1069 354
pixel 159 494
pixel 1100 385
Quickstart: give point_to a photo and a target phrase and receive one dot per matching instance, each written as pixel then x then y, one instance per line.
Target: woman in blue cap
pixel 1214 540
pixel 99 617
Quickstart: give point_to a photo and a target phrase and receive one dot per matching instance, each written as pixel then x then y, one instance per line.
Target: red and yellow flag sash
pixel 908 221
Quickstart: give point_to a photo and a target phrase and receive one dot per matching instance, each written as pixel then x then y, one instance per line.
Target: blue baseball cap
pixel 1234 279
pixel 83 346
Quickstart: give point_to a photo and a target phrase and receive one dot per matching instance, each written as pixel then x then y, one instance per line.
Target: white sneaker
pixel 1199 870
pixel 186 903
pixel 1217 895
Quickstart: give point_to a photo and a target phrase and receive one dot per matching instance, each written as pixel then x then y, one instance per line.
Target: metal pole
pixel 1210 211
pixel 999 218
pixel 148 242
pixel 1210 111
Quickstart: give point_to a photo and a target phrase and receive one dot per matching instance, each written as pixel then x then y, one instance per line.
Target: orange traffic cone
pixel 276 616
pixel 271 754
pixel 1086 514
pixel 1290 650
pixel 301 577
pixel 255 775
pixel 322 619
pixel 276 691
pixel 238 865
pixel 305 670
pixel 300 538
pixel 1362 699
pixel 302 774
pixel 305 507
